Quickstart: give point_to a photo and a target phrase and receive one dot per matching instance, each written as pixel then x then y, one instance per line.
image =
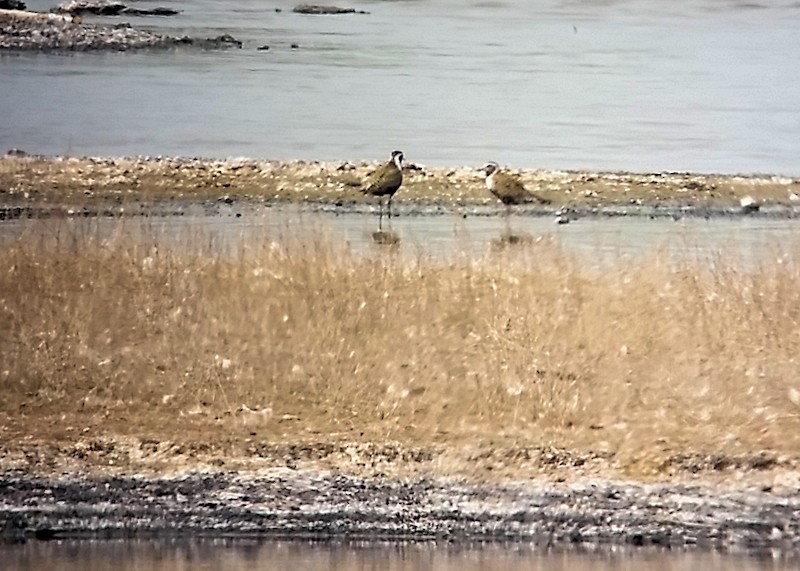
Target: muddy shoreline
pixel 104 488
pixel 285 503
pixel 43 186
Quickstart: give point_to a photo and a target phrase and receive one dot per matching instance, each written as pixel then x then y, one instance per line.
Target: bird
pixel 385 180
pixel 508 188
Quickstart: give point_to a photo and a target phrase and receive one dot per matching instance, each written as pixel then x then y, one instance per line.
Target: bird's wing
pixel 516 192
pixel 539 199
pixel 383 180
pixel 510 188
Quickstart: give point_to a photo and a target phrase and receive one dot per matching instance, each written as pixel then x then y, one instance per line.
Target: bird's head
pixel 397 158
pixel 489 169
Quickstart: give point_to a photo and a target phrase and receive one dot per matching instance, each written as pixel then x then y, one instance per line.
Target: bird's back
pixel 385 180
pixel 510 190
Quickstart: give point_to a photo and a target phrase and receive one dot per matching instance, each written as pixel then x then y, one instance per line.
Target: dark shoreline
pixel 285 503
pixel 246 207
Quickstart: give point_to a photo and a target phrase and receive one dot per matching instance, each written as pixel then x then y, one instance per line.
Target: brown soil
pixel 115 443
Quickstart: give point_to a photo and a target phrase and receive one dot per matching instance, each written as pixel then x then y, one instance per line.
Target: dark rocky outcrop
pixel 223 41
pixel 23 31
pixel 108 8
pixel 160 11
pixel 100 8
pixel 12 5
pixel 318 9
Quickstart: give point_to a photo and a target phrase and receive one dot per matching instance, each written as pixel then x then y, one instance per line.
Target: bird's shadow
pixel 510 239
pixel 385 238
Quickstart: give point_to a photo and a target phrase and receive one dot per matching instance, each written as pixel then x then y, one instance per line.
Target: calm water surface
pixel 752 241
pixel 299 556
pixel 702 85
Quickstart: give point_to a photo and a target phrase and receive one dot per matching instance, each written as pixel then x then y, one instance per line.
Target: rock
pixel 24 31
pixel 98 7
pixel 108 8
pixel 223 41
pixel 749 205
pixel 262 48
pixel 317 9
pixel 12 5
pixel 21 15
pixel 160 11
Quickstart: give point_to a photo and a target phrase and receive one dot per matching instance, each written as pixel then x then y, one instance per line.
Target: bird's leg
pixel 508 219
pixel 380 214
pixel 389 208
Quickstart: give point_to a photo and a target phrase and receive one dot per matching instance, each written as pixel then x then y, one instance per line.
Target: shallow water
pixel 243 555
pixel 233 230
pixel 701 85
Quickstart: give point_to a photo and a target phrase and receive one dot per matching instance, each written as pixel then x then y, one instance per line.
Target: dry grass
pixel 642 361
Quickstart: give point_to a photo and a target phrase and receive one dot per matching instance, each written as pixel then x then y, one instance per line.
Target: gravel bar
pixel 37 186
pixel 39 32
pixel 286 503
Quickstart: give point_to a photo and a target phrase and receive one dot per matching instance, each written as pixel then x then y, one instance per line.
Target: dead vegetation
pixel 496 363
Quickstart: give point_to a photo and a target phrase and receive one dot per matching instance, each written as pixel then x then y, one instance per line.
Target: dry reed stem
pixel 639 360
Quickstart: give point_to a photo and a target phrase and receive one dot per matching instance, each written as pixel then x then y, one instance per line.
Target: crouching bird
pixel 508 188
pixel 385 181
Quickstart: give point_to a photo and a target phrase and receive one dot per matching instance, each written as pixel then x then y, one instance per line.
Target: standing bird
pixel 385 180
pixel 508 188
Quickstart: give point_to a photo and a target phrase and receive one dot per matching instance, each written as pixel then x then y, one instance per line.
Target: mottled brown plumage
pixel 508 188
pixel 385 181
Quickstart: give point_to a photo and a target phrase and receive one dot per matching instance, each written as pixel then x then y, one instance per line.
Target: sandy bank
pixel 46 184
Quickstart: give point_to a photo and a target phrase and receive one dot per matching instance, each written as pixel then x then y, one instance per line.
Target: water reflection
pixel 595 241
pixel 235 555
